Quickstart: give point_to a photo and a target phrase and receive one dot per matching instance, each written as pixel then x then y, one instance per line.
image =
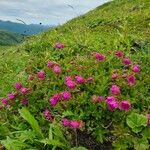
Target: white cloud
pixel 45 11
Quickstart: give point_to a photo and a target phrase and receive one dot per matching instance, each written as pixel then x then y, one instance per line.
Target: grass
pixel 121 24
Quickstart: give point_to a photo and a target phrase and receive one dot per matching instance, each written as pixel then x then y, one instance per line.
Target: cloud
pixel 45 11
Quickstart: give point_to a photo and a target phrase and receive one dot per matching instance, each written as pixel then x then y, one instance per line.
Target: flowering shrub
pixel 98 96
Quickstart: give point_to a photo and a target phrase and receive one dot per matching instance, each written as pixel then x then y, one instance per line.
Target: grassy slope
pixel 9 38
pixel 121 24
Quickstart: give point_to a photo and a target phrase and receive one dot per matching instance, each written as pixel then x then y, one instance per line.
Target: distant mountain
pixel 10 38
pixel 23 28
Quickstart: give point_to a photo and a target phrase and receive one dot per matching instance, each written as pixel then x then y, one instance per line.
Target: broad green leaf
pixel 141 144
pixel 31 120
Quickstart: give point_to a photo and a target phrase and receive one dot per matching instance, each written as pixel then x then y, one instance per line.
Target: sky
pixel 47 12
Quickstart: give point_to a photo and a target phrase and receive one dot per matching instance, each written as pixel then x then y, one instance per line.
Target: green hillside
pixel 122 25
pixel 9 38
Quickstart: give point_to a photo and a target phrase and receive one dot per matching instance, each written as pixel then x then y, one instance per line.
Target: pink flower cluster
pixel 65 96
pixel 99 56
pixel 59 46
pixel 96 99
pixel 72 123
pixel 55 67
pixel 48 115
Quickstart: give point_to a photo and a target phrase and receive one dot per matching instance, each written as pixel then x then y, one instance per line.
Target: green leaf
pixel 141 144
pixel 79 148
pixel 31 120
pixel 136 122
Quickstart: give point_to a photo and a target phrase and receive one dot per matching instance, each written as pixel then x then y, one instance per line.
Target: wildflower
pixel 114 76
pixel 148 119
pixel 131 80
pixel 136 68
pixel 47 114
pixel 24 90
pixel 68 78
pixel 57 69
pixel 115 89
pixel 4 101
pixel 126 61
pixel 75 124
pixel 55 99
pixel 100 98
pixel 111 103
pixel 99 57
pixel 31 77
pixel 94 99
pixel 66 95
pixel 125 105
pixel 25 102
pixel 12 96
pixel 66 122
pixel 18 86
pixel 41 75
pixel 50 64
pixel 119 54
pixel 59 45
pixel 80 79
pixel 70 84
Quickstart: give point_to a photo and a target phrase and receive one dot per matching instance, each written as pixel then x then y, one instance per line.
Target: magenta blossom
pixel 31 77
pixel 68 78
pixel 59 45
pixel 111 103
pixel 50 64
pixel 11 96
pixel 24 90
pixel 126 61
pixel 99 57
pixel 75 124
pixel 125 105
pixel 70 84
pixel 119 54
pixel 66 95
pixel 136 68
pixel 80 79
pixel 4 101
pixel 115 90
pixel 41 75
pixel 110 99
pixel 55 99
pixel 131 80
pixel 48 115
pixel 57 69
pixel 25 102
pixel 18 86
pixel 100 98
pixel 66 122
pixel 148 119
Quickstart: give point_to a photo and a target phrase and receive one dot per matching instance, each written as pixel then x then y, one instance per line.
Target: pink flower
pixel 111 103
pixel 4 101
pixel 47 114
pixel 131 80
pixel 41 75
pixel 55 99
pixel 80 79
pixel 24 90
pixel 31 77
pixel 148 119
pixel 99 57
pixel 70 84
pixel 114 76
pixel 100 98
pixel 136 68
pixel 115 89
pixel 119 54
pixel 75 124
pixel 125 105
pixel 126 61
pixel 25 102
pixel 18 86
pixel 66 122
pixel 66 95
pixel 12 96
pixel 57 69
pixel 50 64
pixel 59 45
pixel 68 78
